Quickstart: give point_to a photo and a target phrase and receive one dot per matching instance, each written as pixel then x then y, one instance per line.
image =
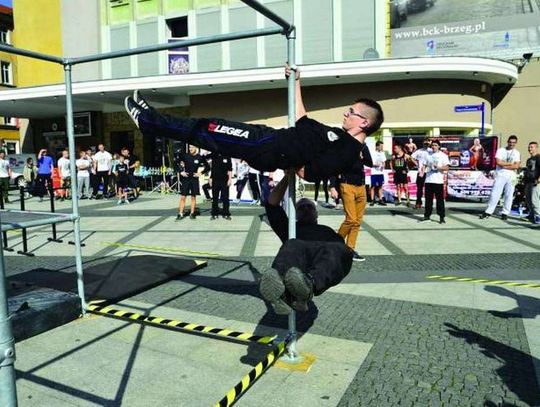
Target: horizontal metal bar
pixel 269 14
pixel 177 44
pixel 51 219
pixel 31 54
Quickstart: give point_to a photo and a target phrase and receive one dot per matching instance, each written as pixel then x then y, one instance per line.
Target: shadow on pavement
pixel 517 370
pixel 527 307
pixel 256 352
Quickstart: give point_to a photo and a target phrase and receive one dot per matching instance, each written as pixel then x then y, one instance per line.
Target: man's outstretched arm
pixel 300 109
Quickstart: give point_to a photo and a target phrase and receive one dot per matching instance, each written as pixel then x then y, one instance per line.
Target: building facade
pixel 347 49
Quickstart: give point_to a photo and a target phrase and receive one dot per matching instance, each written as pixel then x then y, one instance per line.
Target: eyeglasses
pixel 353 113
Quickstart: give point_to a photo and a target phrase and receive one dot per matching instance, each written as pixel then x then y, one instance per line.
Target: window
pixel 11 147
pixel 178 57
pixel 9 121
pixel 4 36
pixel 6 72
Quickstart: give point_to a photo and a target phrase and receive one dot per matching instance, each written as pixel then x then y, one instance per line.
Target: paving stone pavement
pixel 422 354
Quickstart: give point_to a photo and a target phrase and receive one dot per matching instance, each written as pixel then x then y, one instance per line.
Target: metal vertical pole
pixel 483 131
pixel 8 390
pixel 74 196
pixel 292 353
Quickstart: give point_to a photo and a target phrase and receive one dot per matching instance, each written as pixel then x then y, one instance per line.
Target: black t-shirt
pixel 355 174
pixel 532 171
pixel 400 163
pixel 220 167
pixel 192 163
pixel 326 150
pixel 279 222
pixel 130 160
pixel 122 170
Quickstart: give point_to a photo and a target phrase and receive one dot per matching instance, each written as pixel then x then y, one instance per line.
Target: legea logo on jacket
pixel 232 131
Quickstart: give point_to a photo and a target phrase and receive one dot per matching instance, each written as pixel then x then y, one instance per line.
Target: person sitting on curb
pixel 317 260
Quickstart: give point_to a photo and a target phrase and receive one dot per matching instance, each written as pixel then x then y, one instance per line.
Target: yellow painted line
pixel 162 249
pixel 247 381
pixel 483 280
pixel 186 326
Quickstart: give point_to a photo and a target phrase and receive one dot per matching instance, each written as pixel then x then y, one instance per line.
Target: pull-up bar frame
pixel 8 392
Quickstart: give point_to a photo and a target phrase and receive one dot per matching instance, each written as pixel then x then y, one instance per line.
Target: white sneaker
pixel 126 201
pixel 236 201
pixel 119 202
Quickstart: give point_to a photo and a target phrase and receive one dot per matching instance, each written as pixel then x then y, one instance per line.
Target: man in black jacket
pixel 220 181
pixel 323 151
pixel 317 260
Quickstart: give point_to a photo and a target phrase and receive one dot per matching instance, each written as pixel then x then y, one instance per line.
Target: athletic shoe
pixel 300 286
pixel 236 201
pixel 228 217
pixel 484 215
pixel 179 216
pixel 372 203
pixel 441 220
pixel 272 290
pixel 397 203
pixel 504 217
pixel 119 202
pixel 357 257
pixel 213 217
pixel 127 201
pixel 382 203
pixel 133 110
pixel 255 202
pixel 425 219
pixel 138 98
pixel 192 216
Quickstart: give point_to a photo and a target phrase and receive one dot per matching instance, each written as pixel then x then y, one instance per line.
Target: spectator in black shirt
pixel 323 151
pixel 132 162
pixel 121 171
pixel 192 166
pixel 220 181
pixel 352 188
pixel 308 265
pixel 532 183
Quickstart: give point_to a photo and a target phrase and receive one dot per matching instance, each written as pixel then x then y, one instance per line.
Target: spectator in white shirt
pixel 508 161
pixel 65 175
pixel 435 168
pixel 102 168
pixel 5 175
pixel 83 175
pixel 377 173
pixel 421 157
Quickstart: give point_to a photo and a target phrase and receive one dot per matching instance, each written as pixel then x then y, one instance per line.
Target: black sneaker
pixel 272 290
pixel 133 109
pixel 372 203
pixel 382 203
pixel 504 217
pixel 192 216
pixel 179 216
pixel 300 286
pixel 484 215
pixel 213 217
pixel 357 257
pixel 138 98
pixel 425 219
pixel 228 217
pixel 441 220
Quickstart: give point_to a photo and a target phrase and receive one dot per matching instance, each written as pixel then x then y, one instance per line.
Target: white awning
pixel 174 90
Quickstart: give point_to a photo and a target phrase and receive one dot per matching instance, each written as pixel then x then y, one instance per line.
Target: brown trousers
pixel 354 203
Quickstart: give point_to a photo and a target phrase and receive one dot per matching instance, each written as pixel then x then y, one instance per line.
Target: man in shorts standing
pixel 193 165
pixel 377 173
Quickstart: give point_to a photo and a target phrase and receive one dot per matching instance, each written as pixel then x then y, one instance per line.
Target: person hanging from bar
pixel 314 149
pixel 309 265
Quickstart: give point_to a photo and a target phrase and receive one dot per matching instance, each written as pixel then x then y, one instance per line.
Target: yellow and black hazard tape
pixel 247 381
pixel 163 249
pixel 483 280
pixel 185 326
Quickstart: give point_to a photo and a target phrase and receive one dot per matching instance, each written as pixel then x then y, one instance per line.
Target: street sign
pixel 468 108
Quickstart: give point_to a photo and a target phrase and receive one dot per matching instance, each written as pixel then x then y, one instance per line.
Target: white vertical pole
pixel 74 196
pixel 292 353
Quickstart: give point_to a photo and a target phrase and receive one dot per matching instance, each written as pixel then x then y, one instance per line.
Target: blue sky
pixel 8 3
